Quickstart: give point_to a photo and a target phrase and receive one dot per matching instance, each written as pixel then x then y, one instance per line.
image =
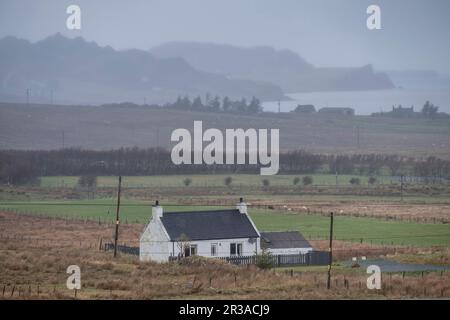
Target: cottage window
pixel 236 249
pixel 213 249
pixel 190 250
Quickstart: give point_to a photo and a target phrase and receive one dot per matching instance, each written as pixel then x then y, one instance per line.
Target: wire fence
pixel 109 211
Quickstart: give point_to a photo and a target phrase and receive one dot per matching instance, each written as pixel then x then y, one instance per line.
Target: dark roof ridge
pixel 204 211
pixel 284 231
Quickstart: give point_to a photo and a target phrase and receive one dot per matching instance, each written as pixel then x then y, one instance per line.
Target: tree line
pixel 216 104
pixel 209 104
pixel 18 166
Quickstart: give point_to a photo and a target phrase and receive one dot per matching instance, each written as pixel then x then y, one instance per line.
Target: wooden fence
pixel 122 248
pixel 313 258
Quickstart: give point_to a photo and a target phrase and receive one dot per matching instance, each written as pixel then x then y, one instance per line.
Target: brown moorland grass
pixel 33 269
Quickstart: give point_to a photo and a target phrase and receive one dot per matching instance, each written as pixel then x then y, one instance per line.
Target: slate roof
pixel 206 225
pixel 285 239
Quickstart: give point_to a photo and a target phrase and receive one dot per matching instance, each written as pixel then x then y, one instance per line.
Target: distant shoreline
pixel 365 102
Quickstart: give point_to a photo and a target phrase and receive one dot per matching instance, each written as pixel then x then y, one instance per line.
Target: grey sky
pixel 415 33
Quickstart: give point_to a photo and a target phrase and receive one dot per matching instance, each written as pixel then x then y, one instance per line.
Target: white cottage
pixel 216 233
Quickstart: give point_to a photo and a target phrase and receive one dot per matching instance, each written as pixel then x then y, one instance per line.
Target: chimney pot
pixel 157 210
pixel 242 206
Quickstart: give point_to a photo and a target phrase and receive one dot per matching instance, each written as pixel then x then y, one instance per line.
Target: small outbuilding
pixel 285 242
pixel 337 111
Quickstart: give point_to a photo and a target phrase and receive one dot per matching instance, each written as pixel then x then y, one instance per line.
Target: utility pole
pixel 336 171
pixel 336 178
pixel 279 106
pixel 28 96
pixel 330 258
pixel 116 236
pixel 63 139
pixel 157 137
pixel 357 137
pixel 401 186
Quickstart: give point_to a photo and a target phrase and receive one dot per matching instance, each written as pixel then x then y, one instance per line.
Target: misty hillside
pixel 281 67
pixel 75 71
pixel 416 79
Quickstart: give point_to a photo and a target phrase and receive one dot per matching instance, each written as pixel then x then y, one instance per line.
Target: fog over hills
pixel 75 71
pixel 69 70
pixel 281 67
pixel 419 79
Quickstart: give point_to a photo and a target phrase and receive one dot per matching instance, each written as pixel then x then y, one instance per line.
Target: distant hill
pixel 281 67
pixel 77 71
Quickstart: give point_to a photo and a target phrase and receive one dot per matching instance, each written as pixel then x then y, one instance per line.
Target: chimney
pixel 157 211
pixel 242 206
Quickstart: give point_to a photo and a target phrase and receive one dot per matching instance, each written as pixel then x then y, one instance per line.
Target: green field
pixel 370 230
pixel 312 226
pixel 104 210
pixel 243 180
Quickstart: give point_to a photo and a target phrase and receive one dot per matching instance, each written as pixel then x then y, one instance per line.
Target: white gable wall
pixel 154 243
